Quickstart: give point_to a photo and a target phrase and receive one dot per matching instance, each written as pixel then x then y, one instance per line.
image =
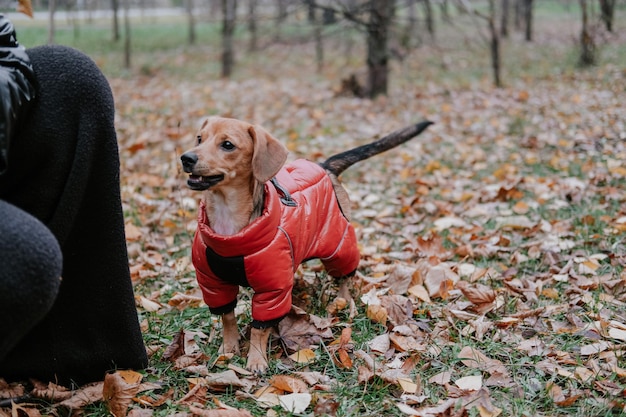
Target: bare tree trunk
pixel 494 45
pixel 504 21
pixel 445 11
pixel 191 22
pixel 607 9
pixel 318 24
pixel 310 11
pixel 281 16
pixel 51 30
pixel 519 11
pixel 126 34
pixel 115 5
pixel 528 19
pixel 381 14
pixel 588 48
pixel 252 28
pixel 71 11
pixel 430 22
pixel 411 29
pixel 229 11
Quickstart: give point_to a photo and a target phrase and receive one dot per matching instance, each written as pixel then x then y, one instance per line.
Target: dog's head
pixel 231 151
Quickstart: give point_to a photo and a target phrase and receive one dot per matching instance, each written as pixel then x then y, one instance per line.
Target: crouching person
pixel 67 311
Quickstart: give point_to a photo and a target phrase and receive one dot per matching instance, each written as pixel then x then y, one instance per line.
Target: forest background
pixel 492 276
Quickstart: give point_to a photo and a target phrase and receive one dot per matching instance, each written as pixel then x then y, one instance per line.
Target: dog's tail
pixel 338 163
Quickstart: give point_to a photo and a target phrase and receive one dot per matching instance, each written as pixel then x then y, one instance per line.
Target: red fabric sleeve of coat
pixel 219 295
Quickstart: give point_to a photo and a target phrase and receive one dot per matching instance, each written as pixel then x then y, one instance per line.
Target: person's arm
pixel 16 87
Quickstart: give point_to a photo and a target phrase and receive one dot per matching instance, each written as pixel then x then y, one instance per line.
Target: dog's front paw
pixel 257 353
pixel 230 334
pixel 229 349
pixel 257 362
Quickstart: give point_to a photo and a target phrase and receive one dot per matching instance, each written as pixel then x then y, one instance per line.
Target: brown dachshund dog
pixel 259 219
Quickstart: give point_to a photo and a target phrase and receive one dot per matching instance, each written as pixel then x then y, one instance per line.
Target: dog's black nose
pixel 188 160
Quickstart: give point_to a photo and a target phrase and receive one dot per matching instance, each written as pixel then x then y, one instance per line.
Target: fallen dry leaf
pixel 303 356
pixel 288 383
pixel 398 307
pixel 299 330
pixel 470 383
pixel 377 313
pixel 439 280
pixel 480 295
pixel 408 385
pixel 119 389
pixel 441 378
pixel 221 381
pixel 24 410
pixel 201 412
pixel 295 403
pixel 87 394
pixel 380 344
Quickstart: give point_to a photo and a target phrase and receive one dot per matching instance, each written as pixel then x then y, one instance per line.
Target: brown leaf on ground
pixel 140 412
pixel 288 383
pixel 24 410
pixel 431 246
pixel 300 330
pixel 342 359
pixel 201 412
pixel 119 389
pixel 474 358
pixel 400 278
pixel 481 296
pixel 380 344
pixel 399 308
pixel 11 390
pixel 365 374
pixel 439 280
pixel 377 313
pixel 155 400
pixel 196 395
pixel 87 394
pixel 184 349
pixel 175 349
pixel 222 381
pixel 182 301
pixel 326 408
pixel 51 392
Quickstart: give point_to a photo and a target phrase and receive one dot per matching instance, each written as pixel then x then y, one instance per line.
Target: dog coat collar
pixel 252 238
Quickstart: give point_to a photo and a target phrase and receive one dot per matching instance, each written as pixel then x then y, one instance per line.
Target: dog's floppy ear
pixel 269 154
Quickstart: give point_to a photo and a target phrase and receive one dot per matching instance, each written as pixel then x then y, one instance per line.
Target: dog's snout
pixel 189 160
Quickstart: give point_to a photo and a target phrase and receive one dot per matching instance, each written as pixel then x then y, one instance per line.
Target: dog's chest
pixel 223 218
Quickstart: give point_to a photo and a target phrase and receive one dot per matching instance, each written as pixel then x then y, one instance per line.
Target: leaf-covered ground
pixel 492 276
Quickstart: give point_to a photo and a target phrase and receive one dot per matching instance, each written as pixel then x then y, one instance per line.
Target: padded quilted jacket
pixel 301 220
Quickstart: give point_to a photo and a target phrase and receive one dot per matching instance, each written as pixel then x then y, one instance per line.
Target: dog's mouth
pixel 200 183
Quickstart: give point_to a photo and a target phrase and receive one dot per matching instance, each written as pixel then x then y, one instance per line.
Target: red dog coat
pixel 301 220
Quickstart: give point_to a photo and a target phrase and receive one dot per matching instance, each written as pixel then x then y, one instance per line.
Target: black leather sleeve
pixel 17 88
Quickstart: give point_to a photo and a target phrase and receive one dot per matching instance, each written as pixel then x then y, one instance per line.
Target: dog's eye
pixel 199 138
pixel 227 145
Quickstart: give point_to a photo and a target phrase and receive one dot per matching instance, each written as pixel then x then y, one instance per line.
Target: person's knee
pixel 30 271
pixel 30 257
